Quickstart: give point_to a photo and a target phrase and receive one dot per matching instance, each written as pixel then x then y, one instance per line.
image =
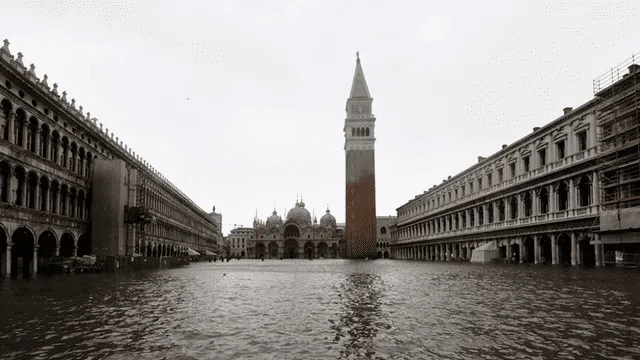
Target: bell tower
pixel 360 231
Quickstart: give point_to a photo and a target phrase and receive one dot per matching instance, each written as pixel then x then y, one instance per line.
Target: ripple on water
pixel 324 309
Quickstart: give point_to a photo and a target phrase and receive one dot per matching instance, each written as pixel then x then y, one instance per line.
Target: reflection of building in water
pixel 298 236
pixel 361 316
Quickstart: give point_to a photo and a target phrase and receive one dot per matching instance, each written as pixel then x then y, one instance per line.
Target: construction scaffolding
pixel 618 143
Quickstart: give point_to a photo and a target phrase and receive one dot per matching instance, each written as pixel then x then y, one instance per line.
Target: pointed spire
pixel 359 88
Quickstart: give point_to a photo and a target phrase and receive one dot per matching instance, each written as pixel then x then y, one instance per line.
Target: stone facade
pixel 296 237
pixel 238 239
pixel 383 225
pixel 360 232
pixel 48 150
pixel 539 199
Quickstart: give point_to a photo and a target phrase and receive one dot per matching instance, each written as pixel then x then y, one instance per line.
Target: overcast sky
pixel 241 103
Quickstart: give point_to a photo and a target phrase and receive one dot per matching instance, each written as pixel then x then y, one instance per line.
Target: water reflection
pixel 360 316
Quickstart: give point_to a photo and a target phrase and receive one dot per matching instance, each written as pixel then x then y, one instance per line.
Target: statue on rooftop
pixel 5 47
pixel 44 81
pixel 19 59
pixel 64 96
pixel 55 89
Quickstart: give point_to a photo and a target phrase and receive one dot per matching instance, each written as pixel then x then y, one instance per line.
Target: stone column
pixel 523 250
pixel 11 125
pixel 49 155
pixel 475 216
pixel 459 251
pixel 7 260
pixel 552 199
pixel 509 254
pixel 34 262
pixel 25 133
pixel 57 253
pixel 60 157
pixel 536 249
pixel 535 203
pixel 572 195
pixel 599 250
pixel 574 249
pixel 36 143
pixel 554 250
pixel 75 250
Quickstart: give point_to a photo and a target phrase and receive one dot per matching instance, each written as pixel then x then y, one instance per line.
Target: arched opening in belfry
pixel 5 179
pixel 563 196
pixel 260 250
pixel 584 191
pixel 309 250
pixel 84 245
pixel 358 132
pixel 67 245
pixel 323 250
pixel 529 250
pixel 273 250
pixel 353 131
pixel 367 132
pixel 564 249
pixel 22 251
pixel 5 112
pixel 291 249
pixel 545 249
pixel 19 127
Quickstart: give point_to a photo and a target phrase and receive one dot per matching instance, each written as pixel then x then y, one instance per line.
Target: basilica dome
pixel 299 214
pixel 274 219
pixel 328 219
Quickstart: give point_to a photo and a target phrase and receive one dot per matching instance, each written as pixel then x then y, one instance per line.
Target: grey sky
pixel 267 82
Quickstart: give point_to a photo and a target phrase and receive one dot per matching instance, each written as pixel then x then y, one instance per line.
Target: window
pixel 526 164
pixel 450 196
pixel 462 190
pixel 582 140
pixel 512 170
pixel 542 155
pixel 479 184
pixel 456 193
pixel 500 175
pixel 489 180
pixel 470 187
pixel 560 149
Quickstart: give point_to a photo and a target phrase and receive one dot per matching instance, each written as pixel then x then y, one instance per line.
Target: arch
pixel 23 241
pixel 353 132
pixel 528 204
pixel 64 157
pixel 379 254
pixel 309 250
pixel 367 133
pixel 291 231
pixel 513 207
pixel 33 137
pixel 67 245
pixel 584 191
pixel 383 230
pixel 385 255
pixel 43 191
pixel 563 196
pixel 260 250
pixel 544 200
pixel 588 251
pixel 55 145
pixel 32 190
pixel 47 244
pixel 5 111
pixel 358 132
pixel 323 250
pixel 44 141
pixel 20 179
pixel 501 210
pixel 564 249
pixel 291 249
pixel 545 249
pixel 490 213
pixel 5 179
pixel 149 250
pixel 84 245
pixel 273 249
pixel 64 193
pixel 74 156
pixel 19 125
pixel 529 250
pixel 55 190
pixel 515 253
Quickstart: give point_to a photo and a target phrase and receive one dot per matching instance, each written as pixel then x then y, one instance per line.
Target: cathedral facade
pixel 298 236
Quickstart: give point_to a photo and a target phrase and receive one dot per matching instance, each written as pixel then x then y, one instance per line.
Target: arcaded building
pixel 566 193
pixel 383 243
pixel 359 146
pixel 295 237
pixel 69 187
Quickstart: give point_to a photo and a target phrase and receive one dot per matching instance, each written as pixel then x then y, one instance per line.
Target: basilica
pixel 297 236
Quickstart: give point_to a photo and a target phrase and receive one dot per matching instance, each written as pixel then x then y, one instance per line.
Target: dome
pixel 274 219
pixel 299 214
pixel 328 219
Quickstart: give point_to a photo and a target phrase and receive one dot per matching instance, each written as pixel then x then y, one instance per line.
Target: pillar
pixel 509 253
pixel 57 253
pixel 25 132
pixel 552 199
pixel 7 260
pixel 459 251
pixel 572 194
pixel 554 250
pixel 36 143
pixel 49 155
pixel 11 125
pixel 75 251
pixel 523 250
pixel 536 249
pixel 34 262
pixel 599 250
pixel 574 250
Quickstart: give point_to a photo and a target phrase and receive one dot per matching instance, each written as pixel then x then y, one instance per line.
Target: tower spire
pixel 359 88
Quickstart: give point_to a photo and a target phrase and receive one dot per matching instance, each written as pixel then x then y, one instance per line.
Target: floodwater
pixel 325 309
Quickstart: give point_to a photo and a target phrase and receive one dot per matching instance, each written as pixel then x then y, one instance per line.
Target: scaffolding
pixel 618 144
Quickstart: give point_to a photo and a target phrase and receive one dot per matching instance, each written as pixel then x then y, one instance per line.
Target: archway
pixel 545 249
pixel 502 252
pixel 260 250
pixel 529 246
pixel 148 249
pixel 67 245
pixel 334 251
pixel 291 231
pixel 273 250
pixel 242 254
pixel 84 245
pixel 588 251
pixel 22 251
pixel 46 248
pixel 323 250
pixel 564 249
pixel 515 253
pixel 3 248
pixel 291 249
pixel 386 254
pixel 309 250
pixel 379 254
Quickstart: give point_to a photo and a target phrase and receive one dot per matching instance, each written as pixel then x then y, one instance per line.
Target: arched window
pixel 353 131
pixel 358 132
pixel 383 230
pixel 367 132
pixel 584 190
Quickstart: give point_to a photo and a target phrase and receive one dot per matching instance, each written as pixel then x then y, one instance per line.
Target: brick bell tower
pixel 360 232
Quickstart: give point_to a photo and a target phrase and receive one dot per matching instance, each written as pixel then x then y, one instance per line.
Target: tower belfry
pixel 360 227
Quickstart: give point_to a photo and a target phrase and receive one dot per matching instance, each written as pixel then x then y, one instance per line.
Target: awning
pixel 193 252
pixel 207 252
